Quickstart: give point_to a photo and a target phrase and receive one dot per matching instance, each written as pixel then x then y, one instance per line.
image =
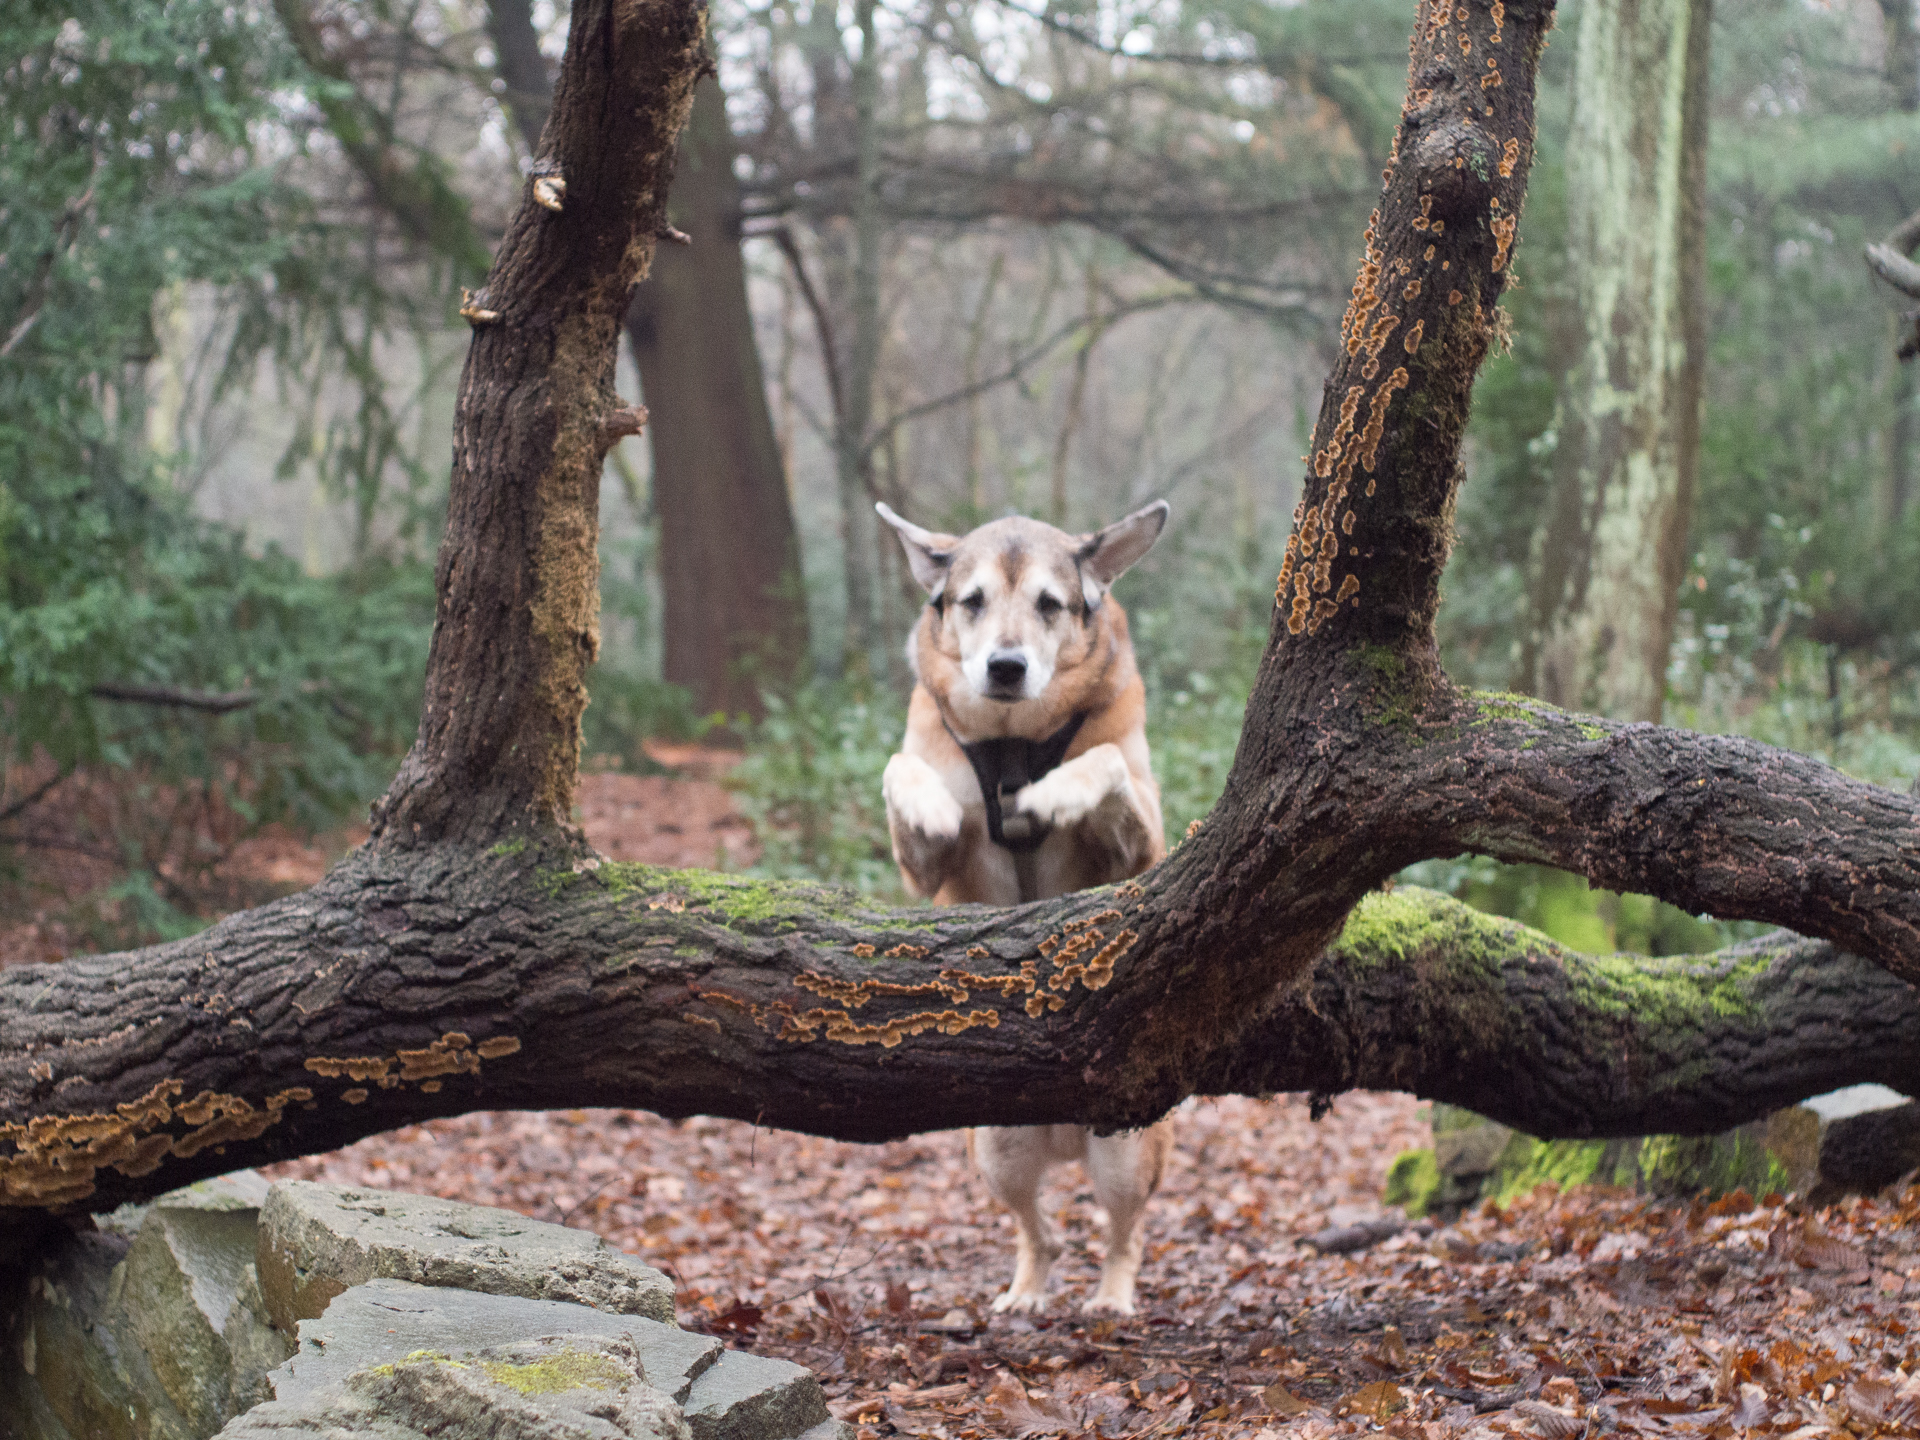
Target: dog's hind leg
pixel 1124 1170
pixel 1012 1162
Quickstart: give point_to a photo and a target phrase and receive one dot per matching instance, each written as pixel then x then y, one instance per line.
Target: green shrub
pixel 810 784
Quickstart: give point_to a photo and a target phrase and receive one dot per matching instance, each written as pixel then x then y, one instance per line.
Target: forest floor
pixel 1589 1312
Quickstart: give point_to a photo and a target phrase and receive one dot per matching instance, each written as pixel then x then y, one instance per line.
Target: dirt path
pixel 681 819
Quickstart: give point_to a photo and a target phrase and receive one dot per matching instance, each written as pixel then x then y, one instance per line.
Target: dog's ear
pixel 1108 554
pixel 928 554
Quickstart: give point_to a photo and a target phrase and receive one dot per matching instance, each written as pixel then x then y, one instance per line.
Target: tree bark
pixel 475 954
pixel 399 991
pixel 517 620
pixel 735 607
pixel 1609 564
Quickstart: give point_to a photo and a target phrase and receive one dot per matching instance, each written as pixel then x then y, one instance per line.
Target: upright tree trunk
pixel 517 58
pixel 517 620
pixel 735 607
pixel 1903 53
pixel 854 462
pixel 719 482
pixel 1610 561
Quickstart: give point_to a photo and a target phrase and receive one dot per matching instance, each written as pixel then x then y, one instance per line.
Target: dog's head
pixel 1016 601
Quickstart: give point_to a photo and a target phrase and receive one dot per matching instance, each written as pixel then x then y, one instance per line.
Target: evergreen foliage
pixel 135 154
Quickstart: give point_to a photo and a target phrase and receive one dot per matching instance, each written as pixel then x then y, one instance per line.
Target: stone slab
pixel 753 1397
pixel 316 1241
pixel 586 1387
pixel 384 1321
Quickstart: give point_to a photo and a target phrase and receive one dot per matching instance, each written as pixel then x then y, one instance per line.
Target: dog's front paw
pixel 1120 1305
pixel 1024 1302
pixel 918 800
pixel 1078 788
pixel 924 821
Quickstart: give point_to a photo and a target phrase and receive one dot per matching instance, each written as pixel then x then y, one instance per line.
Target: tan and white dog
pixel 1024 775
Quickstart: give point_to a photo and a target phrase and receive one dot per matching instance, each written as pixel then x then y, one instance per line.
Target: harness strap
pixel 1003 767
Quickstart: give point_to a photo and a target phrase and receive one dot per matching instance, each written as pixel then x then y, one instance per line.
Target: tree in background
pixel 734 621
pixel 1613 551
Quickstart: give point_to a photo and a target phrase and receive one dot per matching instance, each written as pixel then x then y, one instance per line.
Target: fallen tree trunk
pixel 398 991
pixel 476 955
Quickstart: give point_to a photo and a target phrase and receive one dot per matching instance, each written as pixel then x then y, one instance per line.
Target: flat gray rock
pixel 317 1241
pixel 561 1388
pixel 384 1321
pixel 751 1397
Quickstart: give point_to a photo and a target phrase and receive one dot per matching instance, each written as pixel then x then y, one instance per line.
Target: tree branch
pixel 38 286
pixel 169 696
pixel 415 984
pixel 1711 823
pixel 417 196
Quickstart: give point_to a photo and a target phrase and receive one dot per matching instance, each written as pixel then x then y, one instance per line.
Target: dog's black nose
pixel 1006 669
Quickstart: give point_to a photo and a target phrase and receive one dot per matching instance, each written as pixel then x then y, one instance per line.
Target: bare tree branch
pixel 169 696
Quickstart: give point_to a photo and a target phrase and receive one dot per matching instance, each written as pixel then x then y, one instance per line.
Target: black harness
pixel 1004 767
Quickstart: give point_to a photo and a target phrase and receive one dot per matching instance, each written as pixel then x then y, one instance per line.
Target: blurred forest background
pixel 966 256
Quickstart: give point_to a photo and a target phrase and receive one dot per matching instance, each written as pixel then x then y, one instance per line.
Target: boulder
pixel 193 1301
pixel 316 1241
pixel 152 1325
pixel 751 1397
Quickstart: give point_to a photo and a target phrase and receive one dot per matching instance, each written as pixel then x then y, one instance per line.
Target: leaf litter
pixel 1591 1312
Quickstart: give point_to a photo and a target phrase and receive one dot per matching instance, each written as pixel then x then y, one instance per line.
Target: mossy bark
pixel 476 955
pixel 1609 563
pixel 402 989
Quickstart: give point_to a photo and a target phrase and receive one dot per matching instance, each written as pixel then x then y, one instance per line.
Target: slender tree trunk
pixel 1903 53
pixel 970 376
pixel 1900 445
pixel 854 461
pixel 1609 563
pixel 517 57
pixel 1076 394
pixel 735 607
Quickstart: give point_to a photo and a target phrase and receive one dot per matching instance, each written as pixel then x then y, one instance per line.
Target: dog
pixel 1024 775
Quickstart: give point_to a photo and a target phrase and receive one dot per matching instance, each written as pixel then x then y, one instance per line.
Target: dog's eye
pixel 973 603
pixel 1048 606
